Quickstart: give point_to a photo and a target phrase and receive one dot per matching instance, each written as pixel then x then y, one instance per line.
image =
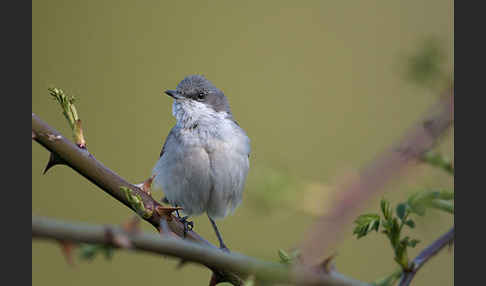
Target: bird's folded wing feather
pixel 171 133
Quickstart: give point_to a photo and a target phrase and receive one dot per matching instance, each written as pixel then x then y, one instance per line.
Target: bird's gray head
pixel 196 89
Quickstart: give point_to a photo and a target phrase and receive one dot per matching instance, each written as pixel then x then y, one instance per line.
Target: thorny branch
pixel 213 258
pixel 425 255
pixel 325 232
pixel 86 165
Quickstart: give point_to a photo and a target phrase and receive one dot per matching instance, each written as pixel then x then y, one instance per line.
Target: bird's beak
pixel 173 93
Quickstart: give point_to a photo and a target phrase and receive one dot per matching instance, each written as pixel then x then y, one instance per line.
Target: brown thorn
pixel 33 135
pixel 132 225
pixel 122 241
pixel 166 211
pixel 67 250
pixel 146 185
pixel 118 239
pixel 327 265
pixel 53 161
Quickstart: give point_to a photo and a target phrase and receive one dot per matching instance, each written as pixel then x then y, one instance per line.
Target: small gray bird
pixel 205 159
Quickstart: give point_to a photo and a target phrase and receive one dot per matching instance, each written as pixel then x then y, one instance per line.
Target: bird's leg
pixel 222 246
pixel 188 225
pixel 177 212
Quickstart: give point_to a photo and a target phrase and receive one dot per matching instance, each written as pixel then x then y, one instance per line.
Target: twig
pixel 425 255
pixel 325 232
pixel 59 230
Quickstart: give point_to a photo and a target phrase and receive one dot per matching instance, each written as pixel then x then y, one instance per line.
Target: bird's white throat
pixel 190 113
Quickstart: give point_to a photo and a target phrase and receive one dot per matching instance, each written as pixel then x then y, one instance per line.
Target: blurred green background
pixel 318 86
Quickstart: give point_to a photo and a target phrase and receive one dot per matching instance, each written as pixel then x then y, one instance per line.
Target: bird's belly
pixel 204 173
pixel 184 176
pixel 229 168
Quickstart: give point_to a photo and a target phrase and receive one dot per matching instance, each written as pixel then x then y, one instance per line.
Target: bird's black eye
pixel 201 95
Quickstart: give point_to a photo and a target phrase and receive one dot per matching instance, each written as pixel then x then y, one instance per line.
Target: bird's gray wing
pixel 241 129
pixel 171 133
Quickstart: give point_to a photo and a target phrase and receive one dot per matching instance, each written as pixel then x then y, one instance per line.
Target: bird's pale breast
pixel 204 171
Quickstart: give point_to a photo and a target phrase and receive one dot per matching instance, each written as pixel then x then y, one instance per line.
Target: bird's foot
pixel 177 208
pixel 188 225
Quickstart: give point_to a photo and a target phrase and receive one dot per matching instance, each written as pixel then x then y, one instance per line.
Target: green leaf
pixel 392 225
pixel 284 257
pixel 288 258
pixel 67 105
pixel 88 251
pixel 441 200
pixel 386 209
pixel 418 209
pixel 437 160
pixel 445 195
pixel 425 67
pixel 401 211
pixel 410 223
pixel 366 223
pixel 442 205
pixel 413 242
pixel 136 202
